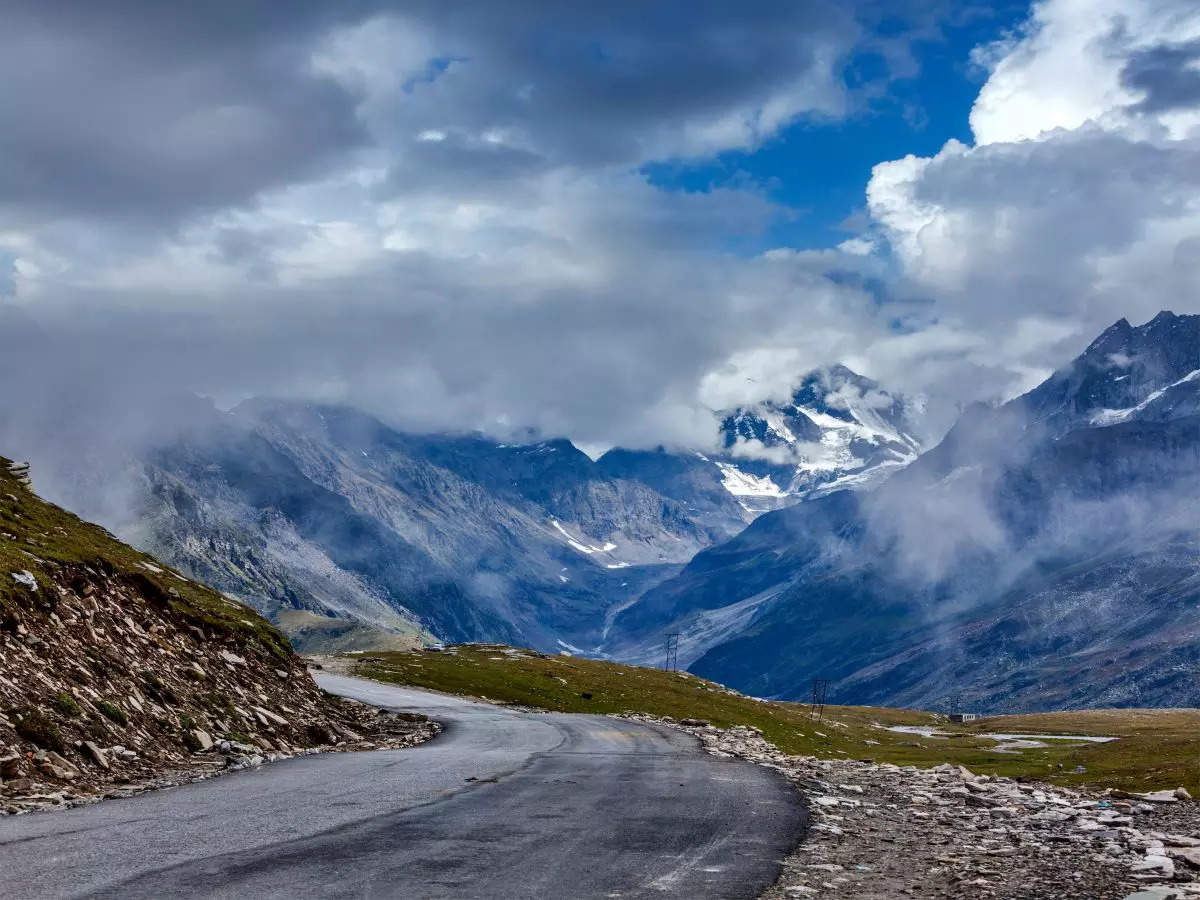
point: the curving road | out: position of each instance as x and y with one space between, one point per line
503 804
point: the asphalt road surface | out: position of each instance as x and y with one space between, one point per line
502 804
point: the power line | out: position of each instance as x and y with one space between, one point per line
819 688
672 661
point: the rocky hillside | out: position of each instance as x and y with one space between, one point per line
323 509
116 670
1042 556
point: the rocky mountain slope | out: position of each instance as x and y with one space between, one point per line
292 506
116 670
1043 555
837 430
394 537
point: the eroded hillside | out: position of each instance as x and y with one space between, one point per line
115 670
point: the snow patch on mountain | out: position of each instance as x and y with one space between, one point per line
579 545
744 484
1116 416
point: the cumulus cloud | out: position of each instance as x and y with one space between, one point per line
434 213
442 215
1075 205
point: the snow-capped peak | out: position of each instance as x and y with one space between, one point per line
836 430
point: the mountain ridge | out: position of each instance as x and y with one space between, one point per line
986 534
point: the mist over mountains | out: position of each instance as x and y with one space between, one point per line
836 430
1043 553
317 507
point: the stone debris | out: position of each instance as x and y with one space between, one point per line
25 577
880 831
105 691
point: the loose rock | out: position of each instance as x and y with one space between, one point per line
880 831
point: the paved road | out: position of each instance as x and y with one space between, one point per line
503 804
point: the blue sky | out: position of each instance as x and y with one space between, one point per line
819 167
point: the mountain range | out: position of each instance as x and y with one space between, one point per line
1045 554
1042 554
323 509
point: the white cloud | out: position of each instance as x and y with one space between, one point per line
1078 203
433 213
1065 71
441 216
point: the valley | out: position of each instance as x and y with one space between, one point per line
1038 540
631 451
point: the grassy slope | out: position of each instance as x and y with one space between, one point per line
1157 748
39 537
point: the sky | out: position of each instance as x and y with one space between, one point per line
599 221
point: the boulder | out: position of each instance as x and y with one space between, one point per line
10 765
203 740
982 801
270 717
50 763
1189 855
25 579
1152 862
98 756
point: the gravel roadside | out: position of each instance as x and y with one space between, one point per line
884 831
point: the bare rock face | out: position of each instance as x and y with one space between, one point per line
117 671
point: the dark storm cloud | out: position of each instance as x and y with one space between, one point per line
1167 74
149 111
153 111
431 209
605 77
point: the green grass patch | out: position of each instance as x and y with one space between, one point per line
67 705
39 538
34 725
1155 748
112 712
